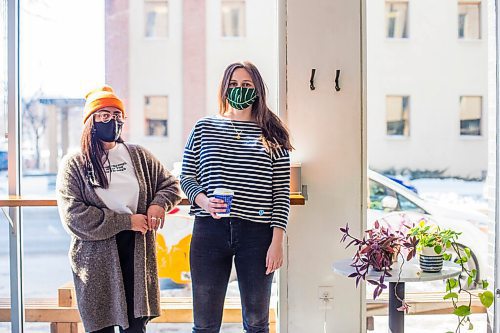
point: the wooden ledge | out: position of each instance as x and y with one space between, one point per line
173 310
30 201
26 201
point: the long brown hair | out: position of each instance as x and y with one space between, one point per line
92 153
274 131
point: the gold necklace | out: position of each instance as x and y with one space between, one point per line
238 136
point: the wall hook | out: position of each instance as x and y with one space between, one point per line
337 76
311 80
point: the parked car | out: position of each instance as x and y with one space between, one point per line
404 183
387 200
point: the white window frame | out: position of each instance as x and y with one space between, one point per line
407 19
145 118
243 25
408 120
481 119
167 33
470 2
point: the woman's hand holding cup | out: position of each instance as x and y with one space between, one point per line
211 205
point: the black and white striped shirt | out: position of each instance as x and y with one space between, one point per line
215 158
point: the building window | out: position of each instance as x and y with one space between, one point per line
396 14
156 115
470 115
156 18
398 115
233 18
469 20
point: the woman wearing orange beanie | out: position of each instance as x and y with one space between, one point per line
112 197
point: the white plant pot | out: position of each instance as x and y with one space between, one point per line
430 261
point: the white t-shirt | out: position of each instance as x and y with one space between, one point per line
122 194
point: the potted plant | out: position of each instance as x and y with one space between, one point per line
435 242
432 245
377 250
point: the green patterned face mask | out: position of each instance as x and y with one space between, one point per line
240 98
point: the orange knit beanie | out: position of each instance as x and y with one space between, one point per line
100 98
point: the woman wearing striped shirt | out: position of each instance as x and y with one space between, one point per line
243 149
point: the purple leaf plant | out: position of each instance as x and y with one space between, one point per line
378 249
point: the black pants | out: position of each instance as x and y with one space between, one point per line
125 241
213 246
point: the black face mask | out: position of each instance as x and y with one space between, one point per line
108 132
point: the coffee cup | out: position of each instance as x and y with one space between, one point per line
226 195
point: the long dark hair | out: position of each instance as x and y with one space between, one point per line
93 154
274 131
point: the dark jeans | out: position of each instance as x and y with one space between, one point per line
125 242
213 246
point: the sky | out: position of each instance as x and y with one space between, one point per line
61 47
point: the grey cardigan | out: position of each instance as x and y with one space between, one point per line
93 251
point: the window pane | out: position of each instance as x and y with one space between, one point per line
52 88
470 115
4 262
156 19
51 128
233 18
149 77
398 112
407 205
377 193
4 224
469 20
156 115
396 19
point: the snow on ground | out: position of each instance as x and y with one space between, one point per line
453 193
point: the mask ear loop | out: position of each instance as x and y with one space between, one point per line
118 128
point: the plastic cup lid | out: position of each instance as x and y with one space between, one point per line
223 191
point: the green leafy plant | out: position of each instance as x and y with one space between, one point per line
429 235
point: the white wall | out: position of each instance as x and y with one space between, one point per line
435 68
156 69
326 127
258 46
